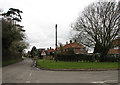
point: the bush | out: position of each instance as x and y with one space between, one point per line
87 57
112 58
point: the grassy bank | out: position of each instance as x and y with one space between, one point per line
76 65
8 62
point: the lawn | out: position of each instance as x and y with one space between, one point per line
50 64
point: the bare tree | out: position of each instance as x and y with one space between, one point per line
98 26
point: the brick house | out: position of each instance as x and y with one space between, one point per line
116 47
115 50
74 48
50 51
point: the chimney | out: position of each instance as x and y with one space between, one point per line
75 41
47 48
70 41
66 43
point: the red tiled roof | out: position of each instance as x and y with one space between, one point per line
58 49
73 45
51 50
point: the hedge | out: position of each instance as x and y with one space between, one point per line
87 57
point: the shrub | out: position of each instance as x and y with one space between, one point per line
87 57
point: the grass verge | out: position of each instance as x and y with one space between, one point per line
49 64
8 62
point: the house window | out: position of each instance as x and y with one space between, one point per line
81 49
116 48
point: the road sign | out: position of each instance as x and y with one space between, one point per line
43 52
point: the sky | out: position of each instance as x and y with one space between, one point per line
40 16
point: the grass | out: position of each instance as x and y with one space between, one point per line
76 65
8 62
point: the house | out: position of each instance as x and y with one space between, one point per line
115 50
50 51
116 47
74 48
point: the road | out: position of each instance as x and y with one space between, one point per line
22 72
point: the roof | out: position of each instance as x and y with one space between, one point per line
73 45
51 50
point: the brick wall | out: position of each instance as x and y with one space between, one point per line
114 51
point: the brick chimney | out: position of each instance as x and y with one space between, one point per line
75 41
66 43
47 48
70 41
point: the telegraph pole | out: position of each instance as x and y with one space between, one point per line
56 43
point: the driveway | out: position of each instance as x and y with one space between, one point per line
22 72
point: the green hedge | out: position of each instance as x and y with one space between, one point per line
8 62
87 57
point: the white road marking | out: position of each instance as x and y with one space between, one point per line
108 81
98 82
111 81
28 79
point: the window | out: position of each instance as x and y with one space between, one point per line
81 49
116 48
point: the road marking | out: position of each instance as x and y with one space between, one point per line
111 81
106 81
27 81
98 82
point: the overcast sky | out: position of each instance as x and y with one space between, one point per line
40 17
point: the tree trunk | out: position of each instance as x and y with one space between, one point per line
102 50
104 53
102 58
97 48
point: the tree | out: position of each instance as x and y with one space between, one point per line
34 51
13 15
13 37
98 26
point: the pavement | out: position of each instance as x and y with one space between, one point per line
24 72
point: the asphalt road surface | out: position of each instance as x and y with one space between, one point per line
22 72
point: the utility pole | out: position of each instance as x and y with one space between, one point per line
56 43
